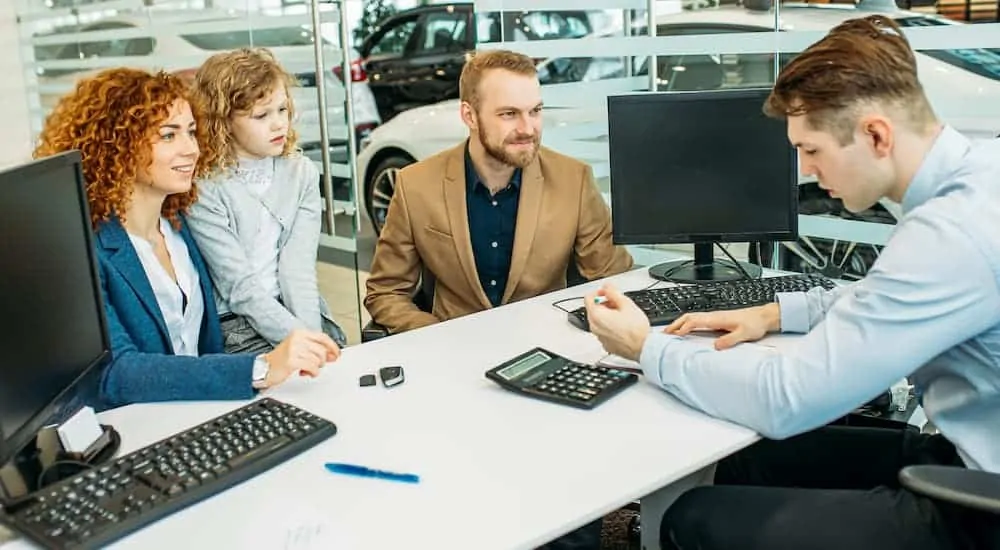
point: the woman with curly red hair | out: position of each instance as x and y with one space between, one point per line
137 136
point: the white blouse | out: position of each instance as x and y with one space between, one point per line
181 302
259 177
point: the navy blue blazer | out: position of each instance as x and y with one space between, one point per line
143 366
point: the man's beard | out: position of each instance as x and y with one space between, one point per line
500 153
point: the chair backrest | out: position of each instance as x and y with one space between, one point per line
573 276
424 297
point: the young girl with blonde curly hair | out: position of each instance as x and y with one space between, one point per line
137 136
258 215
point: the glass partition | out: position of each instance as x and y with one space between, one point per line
64 40
712 44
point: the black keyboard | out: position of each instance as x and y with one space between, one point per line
101 505
664 305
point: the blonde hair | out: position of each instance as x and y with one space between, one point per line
478 63
229 84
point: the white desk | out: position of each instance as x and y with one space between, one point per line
498 470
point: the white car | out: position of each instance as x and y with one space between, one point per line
181 45
963 86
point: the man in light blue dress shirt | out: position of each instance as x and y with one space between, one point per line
929 309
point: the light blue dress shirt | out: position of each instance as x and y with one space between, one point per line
929 308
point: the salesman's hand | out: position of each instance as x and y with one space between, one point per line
304 352
618 323
741 325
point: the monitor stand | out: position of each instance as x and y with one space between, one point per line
43 461
704 268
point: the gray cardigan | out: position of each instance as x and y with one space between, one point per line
224 222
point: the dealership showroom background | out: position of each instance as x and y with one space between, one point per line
380 92
51 43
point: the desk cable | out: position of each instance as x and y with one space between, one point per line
681 265
564 300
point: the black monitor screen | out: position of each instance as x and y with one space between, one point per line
698 167
53 321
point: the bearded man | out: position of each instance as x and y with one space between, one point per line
493 220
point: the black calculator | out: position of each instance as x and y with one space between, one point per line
545 375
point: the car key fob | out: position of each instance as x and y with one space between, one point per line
391 376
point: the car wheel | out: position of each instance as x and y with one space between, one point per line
380 188
836 259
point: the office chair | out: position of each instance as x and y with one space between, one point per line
974 489
424 299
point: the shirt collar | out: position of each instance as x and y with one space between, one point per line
473 181
947 152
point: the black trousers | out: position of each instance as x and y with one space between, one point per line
834 488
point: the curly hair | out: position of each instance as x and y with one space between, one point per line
229 84
112 119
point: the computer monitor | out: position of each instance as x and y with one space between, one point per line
53 330
702 168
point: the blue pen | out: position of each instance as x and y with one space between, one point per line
364 471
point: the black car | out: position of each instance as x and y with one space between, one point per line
415 57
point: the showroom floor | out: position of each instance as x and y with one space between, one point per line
340 286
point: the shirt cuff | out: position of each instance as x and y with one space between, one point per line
794 311
260 369
652 351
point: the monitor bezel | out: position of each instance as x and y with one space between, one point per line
12 444
652 98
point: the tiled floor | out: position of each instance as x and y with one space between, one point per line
343 289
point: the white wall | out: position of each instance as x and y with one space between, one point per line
15 140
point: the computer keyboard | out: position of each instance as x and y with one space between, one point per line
98 506
664 305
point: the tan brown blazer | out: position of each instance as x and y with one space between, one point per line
560 216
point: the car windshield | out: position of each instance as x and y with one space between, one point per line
532 25
981 61
547 25
263 38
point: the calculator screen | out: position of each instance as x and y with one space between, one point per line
524 365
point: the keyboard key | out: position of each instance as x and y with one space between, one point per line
101 505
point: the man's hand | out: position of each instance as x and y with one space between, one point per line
618 323
741 325
304 352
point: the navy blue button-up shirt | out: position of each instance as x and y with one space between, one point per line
491 227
